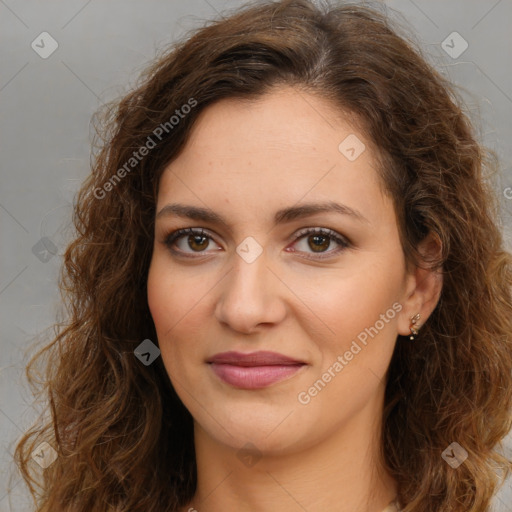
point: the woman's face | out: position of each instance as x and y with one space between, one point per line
254 277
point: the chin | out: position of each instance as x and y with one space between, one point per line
273 431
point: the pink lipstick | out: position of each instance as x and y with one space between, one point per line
254 370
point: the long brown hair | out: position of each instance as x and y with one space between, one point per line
123 438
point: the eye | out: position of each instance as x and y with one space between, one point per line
318 240
196 239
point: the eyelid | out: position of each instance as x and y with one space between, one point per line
312 230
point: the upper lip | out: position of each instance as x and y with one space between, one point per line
261 358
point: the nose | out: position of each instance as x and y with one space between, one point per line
250 296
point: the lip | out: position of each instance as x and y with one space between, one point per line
253 370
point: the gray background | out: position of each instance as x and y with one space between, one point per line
46 107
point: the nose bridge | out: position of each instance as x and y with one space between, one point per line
249 296
248 280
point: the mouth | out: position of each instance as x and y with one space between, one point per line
255 370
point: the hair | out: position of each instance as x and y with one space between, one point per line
123 437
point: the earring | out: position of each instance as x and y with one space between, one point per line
413 327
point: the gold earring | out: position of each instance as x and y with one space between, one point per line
413 327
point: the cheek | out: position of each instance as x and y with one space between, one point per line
346 303
176 308
160 296
166 301
361 312
169 297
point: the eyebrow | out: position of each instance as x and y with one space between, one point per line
282 216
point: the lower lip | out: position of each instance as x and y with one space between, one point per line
254 377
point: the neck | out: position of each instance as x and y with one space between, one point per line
341 472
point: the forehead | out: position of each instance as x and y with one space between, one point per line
285 121
284 147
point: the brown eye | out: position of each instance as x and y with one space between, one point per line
319 240
318 243
196 241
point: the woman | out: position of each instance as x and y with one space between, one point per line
288 290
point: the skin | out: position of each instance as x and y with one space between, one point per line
245 161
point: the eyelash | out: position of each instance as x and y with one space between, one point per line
172 237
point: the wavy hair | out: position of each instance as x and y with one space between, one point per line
123 438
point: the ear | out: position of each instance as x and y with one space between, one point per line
422 287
